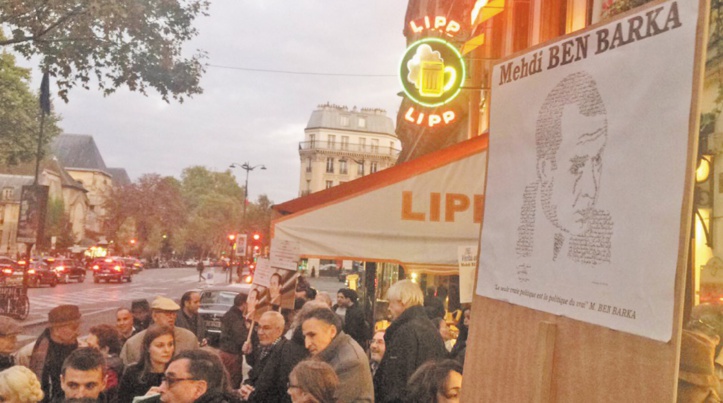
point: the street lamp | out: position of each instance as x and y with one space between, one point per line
246 167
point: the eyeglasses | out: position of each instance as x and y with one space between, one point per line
170 381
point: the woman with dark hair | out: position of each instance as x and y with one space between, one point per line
460 346
156 352
275 289
313 381
435 382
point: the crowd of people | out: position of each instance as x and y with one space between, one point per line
317 352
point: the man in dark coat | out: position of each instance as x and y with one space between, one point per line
411 340
188 317
354 323
195 376
272 359
233 335
52 348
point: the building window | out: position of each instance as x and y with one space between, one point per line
362 144
373 167
308 165
391 147
342 167
331 141
362 122
344 120
375 145
7 193
360 168
329 184
330 165
344 142
312 140
308 186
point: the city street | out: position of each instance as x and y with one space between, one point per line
98 302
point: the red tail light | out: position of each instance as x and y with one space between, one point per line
96 267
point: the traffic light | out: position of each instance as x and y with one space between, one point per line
256 242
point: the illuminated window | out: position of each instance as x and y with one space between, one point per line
329 184
362 122
331 141
373 167
330 165
344 142
342 167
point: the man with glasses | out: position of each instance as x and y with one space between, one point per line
163 312
195 376
271 359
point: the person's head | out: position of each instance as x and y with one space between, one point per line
466 315
64 321
253 297
83 374
124 320
191 374
190 302
443 328
346 297
140 309
275 281
270 327
157 347
320 327
402 295
312 381
239 301
570 136
308 293
324 297
9 330
105 338
436 381
19 384
377 347
164 312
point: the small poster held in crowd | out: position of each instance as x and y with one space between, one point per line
467 259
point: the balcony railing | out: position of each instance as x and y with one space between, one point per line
359 148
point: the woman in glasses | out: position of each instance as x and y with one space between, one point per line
312 382
156 353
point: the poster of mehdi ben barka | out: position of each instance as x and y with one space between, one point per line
587 165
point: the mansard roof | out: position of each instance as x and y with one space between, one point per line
329 116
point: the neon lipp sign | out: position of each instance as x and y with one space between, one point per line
432 72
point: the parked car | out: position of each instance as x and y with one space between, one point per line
111 269
39 273
135 264
7 268
66 269
215 302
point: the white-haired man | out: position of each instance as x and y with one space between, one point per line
411 340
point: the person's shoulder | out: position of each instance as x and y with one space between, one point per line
183 334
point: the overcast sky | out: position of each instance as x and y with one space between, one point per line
252 116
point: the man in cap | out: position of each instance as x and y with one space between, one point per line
9 330
163 312
52 348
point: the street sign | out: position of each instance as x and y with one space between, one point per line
241 245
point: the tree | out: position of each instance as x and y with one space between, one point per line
133 43
58 225
20 115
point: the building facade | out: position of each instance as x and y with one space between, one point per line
341 145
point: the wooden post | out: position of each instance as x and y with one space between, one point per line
542 376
